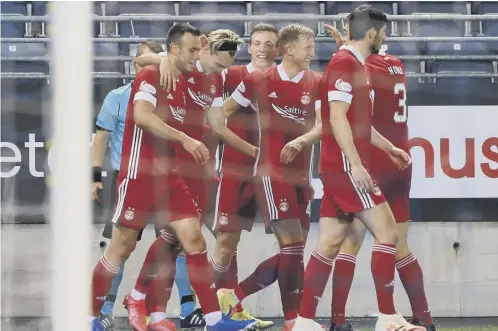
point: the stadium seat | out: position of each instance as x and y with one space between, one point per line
403 48
433 28
107 49
13 29
220 9
462 88
489 28
287 8
324 51
143 28
10 50
337 7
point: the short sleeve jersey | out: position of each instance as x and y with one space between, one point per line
286 110
144 154
112 118
390 114
202 92
346 79
243 123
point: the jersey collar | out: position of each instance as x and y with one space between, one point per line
283 75
198 66
355 52
249 67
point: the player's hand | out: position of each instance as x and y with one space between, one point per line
362 179
334 33
96 187
399 157
168 74
291 150
197 149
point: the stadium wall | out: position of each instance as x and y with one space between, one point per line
460 262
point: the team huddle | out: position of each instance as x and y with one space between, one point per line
189 106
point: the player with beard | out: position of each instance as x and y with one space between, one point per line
390 117
283 98
203 89
149 181
349 191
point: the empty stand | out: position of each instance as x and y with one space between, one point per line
286 8
13 29
145 29
220 9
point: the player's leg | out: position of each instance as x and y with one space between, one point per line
380 222
333 227
409 270
227 224
131 214
187 227
283 216
155 280
343 274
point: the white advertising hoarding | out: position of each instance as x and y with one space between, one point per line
454 151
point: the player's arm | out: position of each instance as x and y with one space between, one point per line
144 103
106 122
217 118
167 69
293 148
397 155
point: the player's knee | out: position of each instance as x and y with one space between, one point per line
402 249
352 244
226 245
329 246
193 242
121 248
388 236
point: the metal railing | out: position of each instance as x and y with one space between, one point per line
257 18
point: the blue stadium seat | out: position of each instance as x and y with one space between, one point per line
107 49
457 48
287 7
13 29
10 50
403 48
434 28
324 51
339 7
227 9
489 28
145 29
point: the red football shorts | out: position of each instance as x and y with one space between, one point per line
340 195
396 189
235 206
166 198
280 200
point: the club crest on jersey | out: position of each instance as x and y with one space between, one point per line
129 214
223 219
376 191
305 99
284 205
213 89
146 87
343 86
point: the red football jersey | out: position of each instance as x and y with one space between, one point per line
346 79
202 91
142 152
243 123
390 114
286 110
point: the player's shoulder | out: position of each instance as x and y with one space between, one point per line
119 91
384 59
342 59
